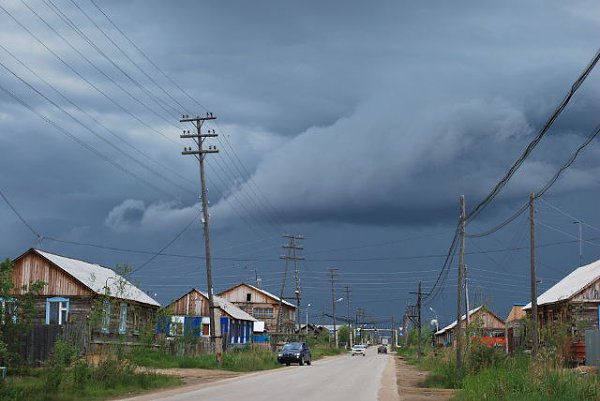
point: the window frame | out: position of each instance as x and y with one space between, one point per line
66 308
105 322
122 318
4 302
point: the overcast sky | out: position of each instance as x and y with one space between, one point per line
357 125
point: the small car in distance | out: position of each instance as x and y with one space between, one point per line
295 353
359 349
382 349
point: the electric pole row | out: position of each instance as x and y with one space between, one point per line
292 249
199 153
332 275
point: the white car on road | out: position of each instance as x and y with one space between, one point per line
359 349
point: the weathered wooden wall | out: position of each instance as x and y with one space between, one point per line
32 267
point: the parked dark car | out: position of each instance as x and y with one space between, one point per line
382 349
295 353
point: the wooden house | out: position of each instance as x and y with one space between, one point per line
189 315
484 326
572 305
263 306
86 296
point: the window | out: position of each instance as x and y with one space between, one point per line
248 297
8 308
123 318
136 320
262 312
105 317
57 310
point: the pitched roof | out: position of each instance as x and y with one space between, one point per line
98 278
226 306
571 285
267 293
453 324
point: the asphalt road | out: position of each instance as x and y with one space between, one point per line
343 378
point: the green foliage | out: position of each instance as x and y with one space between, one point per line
69 379
243 360
519 379
12 330
344 334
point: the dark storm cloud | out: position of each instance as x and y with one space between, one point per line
361 114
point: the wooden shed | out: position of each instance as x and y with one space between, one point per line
263 306
515 328
189 315
87 297
484 325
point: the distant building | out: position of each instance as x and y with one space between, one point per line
189 315
263 306
484 325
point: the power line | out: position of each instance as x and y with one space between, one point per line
532 145
16 212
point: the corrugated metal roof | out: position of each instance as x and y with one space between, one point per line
229 308
98 278
571 285
267 293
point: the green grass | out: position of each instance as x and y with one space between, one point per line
520 380
237 361
319 351
82 382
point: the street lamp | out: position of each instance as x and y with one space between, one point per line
437 328
335 336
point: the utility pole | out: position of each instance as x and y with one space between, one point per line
291 248
348 314
332 274
534 313
199 154
393 334
419 317
580 223
467 299
459 298
419 295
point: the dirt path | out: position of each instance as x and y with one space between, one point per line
194 376
411 386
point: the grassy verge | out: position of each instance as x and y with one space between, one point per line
246 360
81 381
237 361
319 351
519 379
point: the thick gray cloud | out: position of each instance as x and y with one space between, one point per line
356 123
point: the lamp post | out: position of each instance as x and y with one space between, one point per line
437 326
307 306
335 336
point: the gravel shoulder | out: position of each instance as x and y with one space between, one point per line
411 384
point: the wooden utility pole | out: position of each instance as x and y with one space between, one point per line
459 296
350 334
332 273
292 247
291 254
534 313
199 154
419 295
